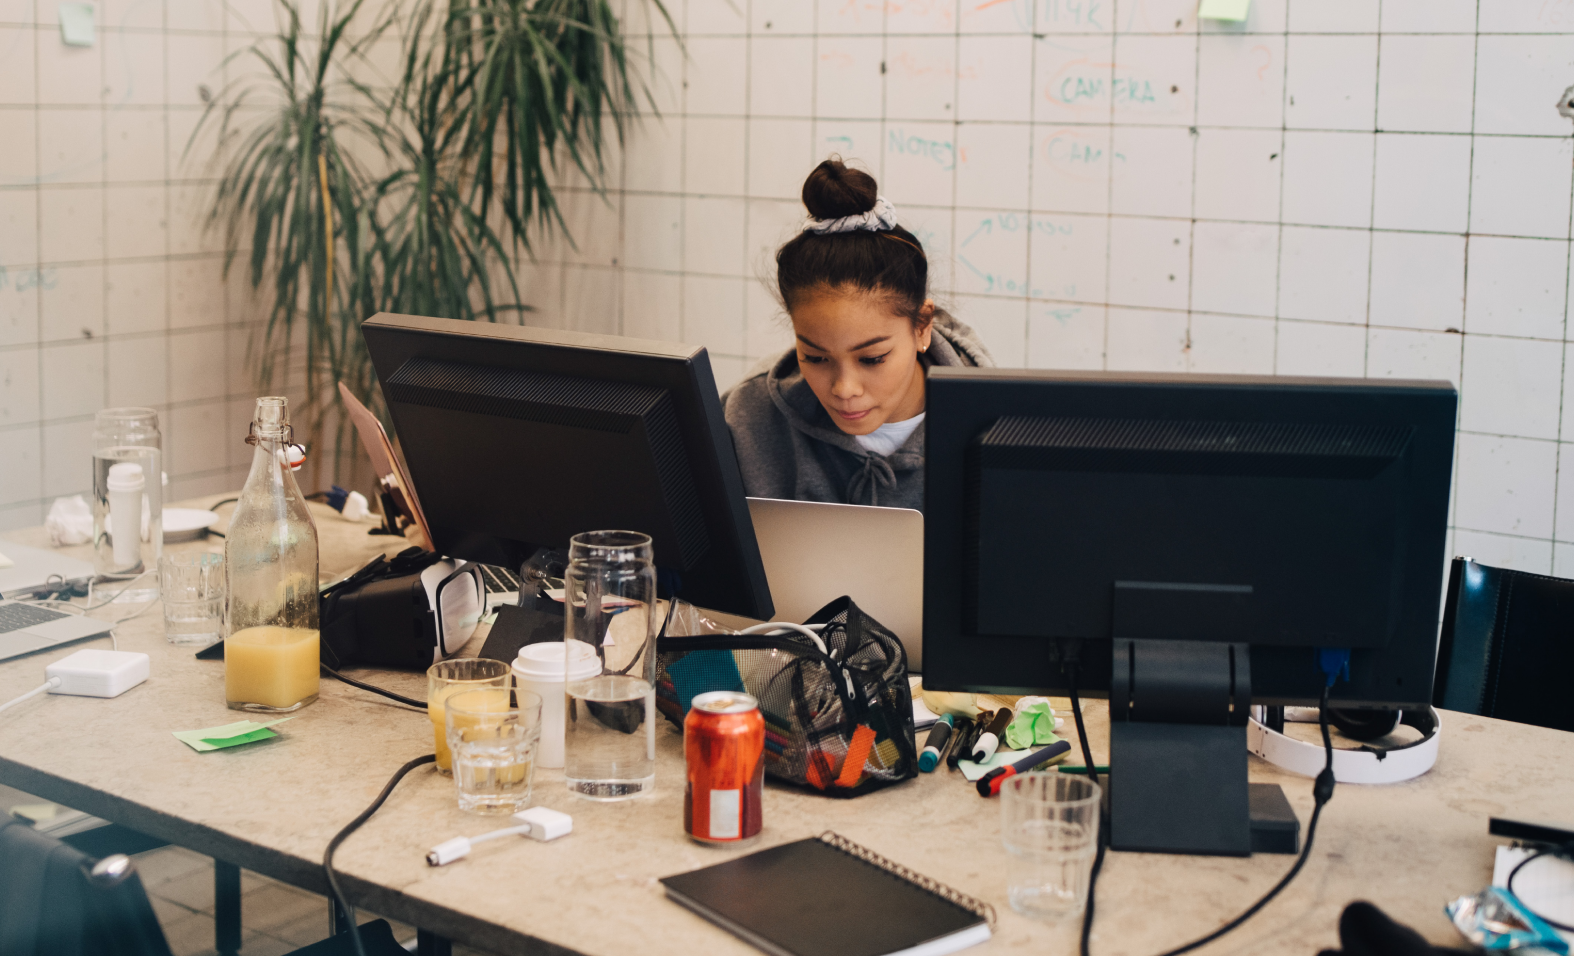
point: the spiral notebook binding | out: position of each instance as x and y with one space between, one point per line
973 905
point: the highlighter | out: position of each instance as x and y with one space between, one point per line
989 784
989 740
934 744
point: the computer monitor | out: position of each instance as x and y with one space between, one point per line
1183 544
519 438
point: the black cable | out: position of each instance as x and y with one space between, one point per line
1564 849
407 701
1103 836
1322 792
342 835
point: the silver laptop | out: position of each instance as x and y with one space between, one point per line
34 567
25 628
815 553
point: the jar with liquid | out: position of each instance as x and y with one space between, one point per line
128 500
270 556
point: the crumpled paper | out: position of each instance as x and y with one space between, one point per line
1033 726
70 521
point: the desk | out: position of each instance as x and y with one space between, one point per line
272 807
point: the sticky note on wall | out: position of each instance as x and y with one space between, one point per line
1224 9
76 23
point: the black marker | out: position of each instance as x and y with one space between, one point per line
989 740
962 741
934 743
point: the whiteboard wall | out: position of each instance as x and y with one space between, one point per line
1335 187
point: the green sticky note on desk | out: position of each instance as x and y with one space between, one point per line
228 735
1224 9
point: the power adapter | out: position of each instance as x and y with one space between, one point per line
95 673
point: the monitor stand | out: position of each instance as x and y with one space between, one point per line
1177 722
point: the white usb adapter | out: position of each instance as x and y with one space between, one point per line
95 673
538 823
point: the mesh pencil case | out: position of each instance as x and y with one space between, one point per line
833 692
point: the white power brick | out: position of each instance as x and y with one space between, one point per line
95 673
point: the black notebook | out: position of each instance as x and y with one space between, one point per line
828 896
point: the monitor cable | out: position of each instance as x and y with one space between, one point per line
338 838
373 688
1564 850
1322 792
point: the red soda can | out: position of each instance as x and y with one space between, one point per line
724 742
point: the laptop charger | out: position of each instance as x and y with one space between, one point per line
95 673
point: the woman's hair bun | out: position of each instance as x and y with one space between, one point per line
833 190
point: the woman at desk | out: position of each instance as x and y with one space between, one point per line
838 417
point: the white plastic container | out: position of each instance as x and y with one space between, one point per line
125 486
539 668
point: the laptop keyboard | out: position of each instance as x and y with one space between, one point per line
14 617
499 580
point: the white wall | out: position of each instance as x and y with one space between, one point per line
1341 187
109 292
1042 149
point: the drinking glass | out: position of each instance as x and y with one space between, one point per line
1049 823
447 678
494 748
191 584
128 503
609 739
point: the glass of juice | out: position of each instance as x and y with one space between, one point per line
447 678
492 741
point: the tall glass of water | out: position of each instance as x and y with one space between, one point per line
1049 823
128 499
609 741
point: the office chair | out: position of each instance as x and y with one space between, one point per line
1507 645
56 900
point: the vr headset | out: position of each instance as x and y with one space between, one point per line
408 612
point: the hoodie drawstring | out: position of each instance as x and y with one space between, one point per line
875 474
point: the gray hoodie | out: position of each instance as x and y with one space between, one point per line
788 447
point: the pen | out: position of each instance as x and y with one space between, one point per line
989 740
962 740
989 784
935 743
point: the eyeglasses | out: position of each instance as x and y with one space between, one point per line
461 604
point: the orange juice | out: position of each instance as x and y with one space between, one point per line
493 701
272 668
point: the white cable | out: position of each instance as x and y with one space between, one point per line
110 600
787 625
49 684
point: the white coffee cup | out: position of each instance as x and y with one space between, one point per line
539 668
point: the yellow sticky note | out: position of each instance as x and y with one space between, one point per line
1224 9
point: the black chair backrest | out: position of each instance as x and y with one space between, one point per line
52 903
1507 646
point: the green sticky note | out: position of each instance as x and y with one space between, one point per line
972 770
1033 725
228 735
1224 9
76 23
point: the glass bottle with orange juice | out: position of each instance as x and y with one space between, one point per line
270 556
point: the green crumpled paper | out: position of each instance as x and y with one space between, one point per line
1033 726
228 735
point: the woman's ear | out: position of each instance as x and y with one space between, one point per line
926 314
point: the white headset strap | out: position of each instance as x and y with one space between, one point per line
1350 766
788 626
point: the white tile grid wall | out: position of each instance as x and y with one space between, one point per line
110 290
1336 187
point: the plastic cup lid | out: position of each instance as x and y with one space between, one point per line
544 661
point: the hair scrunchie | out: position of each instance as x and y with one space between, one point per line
879 219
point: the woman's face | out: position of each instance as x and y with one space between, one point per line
861 358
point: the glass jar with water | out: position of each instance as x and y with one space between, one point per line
128 500
609 741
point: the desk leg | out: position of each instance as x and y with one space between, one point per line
431 944
226 908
